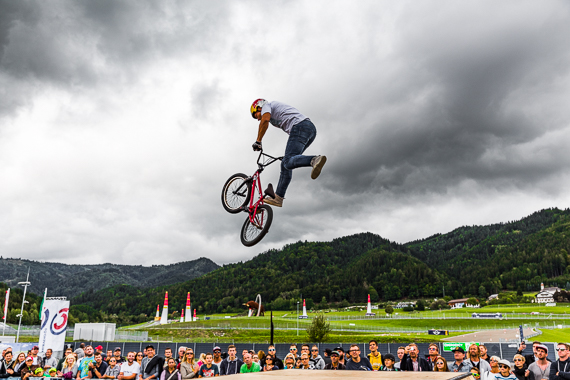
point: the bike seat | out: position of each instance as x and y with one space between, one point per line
269 191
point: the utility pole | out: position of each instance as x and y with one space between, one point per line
25 285
297 318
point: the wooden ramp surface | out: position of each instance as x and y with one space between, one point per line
328 375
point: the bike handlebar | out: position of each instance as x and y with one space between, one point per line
269 161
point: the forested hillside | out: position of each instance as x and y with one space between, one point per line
71 280
486 259
30 316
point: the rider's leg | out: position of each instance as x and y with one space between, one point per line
301 137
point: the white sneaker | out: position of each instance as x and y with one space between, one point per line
317 163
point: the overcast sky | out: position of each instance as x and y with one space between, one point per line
120 121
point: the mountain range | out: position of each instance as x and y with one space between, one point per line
468 261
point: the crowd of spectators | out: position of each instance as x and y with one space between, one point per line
89 363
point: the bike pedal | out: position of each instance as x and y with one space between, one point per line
269 191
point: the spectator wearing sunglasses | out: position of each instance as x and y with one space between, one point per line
541 367
276 361
505 371
316 359
560 369
440 365
293 351
475 373
520 369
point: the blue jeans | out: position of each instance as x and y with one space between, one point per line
302 135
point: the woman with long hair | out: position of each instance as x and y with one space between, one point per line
18 363
269 364
69 368
138 358
440 365
170 372
188 367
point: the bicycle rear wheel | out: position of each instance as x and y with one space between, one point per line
236 193
252 233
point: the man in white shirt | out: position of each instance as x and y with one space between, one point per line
302 133
130 369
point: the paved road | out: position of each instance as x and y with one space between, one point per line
490 335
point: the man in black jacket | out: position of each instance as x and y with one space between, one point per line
529 359
560 369
412 360
231 365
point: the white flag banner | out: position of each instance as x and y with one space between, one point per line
54 325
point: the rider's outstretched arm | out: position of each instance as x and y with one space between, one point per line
263 125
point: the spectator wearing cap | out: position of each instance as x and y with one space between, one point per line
341 356
29 368
460 364
335 363
99 349
411 360
49 361
505 371
217 361
34 354
327 355
541 367
117 355
232 364
79 351
561 368
152 365
389 361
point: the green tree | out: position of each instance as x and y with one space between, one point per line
373 294
482 292
319 329
420 305
389 310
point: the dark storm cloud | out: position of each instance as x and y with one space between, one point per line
464 102
81 44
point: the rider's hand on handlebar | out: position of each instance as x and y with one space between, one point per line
257 145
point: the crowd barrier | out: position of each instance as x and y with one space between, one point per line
502 350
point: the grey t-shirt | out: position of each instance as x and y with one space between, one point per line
282 115
538 373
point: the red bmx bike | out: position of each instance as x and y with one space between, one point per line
241 189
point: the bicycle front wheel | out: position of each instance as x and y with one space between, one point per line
236 193
252 233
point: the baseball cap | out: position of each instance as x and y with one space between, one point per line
505 362
117 348
339 349
35 348
542 346
29 358
52 369
217 348
38 370
149 346
390 356
335 352
460 349
99 347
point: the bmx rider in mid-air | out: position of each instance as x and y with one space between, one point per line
302 133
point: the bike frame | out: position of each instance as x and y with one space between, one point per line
256 179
